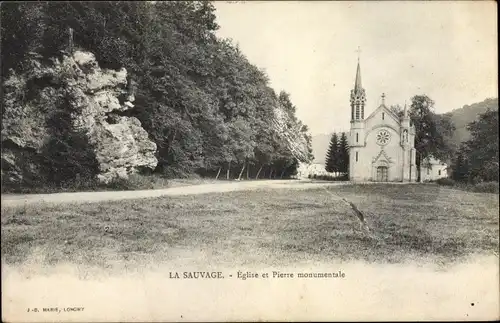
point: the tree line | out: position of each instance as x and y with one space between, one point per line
207 108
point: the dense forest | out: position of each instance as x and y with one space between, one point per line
207 108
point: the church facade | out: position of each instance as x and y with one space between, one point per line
381 146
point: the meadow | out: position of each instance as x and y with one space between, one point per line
422 223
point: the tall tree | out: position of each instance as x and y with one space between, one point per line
343 154
332 156
429 137
483 147
444 127
305 133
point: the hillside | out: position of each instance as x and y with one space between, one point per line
468 113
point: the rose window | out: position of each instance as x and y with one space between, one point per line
383 137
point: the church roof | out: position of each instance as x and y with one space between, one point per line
386 109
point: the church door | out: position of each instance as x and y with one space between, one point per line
382 174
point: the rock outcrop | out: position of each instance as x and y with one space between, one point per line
96 102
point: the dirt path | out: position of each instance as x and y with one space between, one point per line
74 197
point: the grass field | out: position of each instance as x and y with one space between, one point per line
269 227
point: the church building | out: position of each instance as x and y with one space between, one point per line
381 146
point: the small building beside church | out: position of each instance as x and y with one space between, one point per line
433 169
382 145
305 171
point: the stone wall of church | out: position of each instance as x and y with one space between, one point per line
372 155
366 159
389 155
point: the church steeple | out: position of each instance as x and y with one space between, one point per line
357 83
358 97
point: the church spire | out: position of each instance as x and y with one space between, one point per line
358 96
357 83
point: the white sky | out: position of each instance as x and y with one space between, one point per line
447 50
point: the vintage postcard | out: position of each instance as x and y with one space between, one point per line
196 161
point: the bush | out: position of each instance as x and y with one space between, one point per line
328 177
137 182
482 187
486 187
445 181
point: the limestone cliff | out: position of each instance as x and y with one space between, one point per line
95 102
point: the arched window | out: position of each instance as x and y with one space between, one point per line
356 156
357 137
383 115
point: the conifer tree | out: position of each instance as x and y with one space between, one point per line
331 163
343 154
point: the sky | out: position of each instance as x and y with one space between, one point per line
446 50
